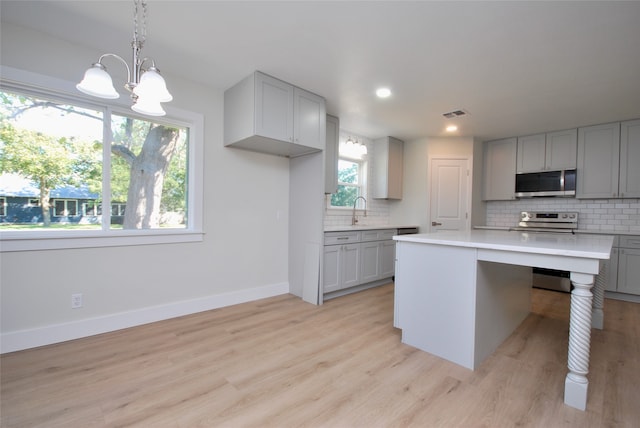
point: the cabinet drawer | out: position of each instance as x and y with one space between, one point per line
387 234
334 238
629 242
378 234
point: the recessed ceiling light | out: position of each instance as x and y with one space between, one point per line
383 92
452 128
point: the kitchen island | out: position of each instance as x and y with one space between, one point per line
459 295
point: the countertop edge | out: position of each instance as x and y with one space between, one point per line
366 227
490 241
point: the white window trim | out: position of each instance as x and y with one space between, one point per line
11 241
66 207
85 205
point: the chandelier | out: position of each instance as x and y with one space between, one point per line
148 88
353 148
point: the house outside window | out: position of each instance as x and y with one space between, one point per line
3 207
77 156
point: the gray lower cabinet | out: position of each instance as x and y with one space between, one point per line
357 258
370 253
629 265
623 269
387 259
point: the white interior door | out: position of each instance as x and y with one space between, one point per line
449 205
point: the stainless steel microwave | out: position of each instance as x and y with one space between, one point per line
546 183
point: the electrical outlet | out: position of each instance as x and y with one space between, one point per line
76 300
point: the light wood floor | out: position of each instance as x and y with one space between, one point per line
280 362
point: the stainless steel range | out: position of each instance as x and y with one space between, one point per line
538 221
549 222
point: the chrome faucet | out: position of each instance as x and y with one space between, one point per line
354 220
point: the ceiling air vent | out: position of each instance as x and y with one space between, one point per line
455 113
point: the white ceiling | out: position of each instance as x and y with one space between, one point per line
517 67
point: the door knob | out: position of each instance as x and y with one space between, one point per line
435 223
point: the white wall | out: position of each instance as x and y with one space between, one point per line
413 209
243 254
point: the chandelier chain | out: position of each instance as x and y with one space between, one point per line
141 36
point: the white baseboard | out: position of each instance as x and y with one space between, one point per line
25 339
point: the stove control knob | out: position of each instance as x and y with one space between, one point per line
564 215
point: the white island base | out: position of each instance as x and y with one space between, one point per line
460 295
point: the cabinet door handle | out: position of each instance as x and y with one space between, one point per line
343 237
435 223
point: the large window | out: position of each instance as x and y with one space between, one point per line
350 182
62 161
352 173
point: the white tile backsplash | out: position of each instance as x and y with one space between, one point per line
606 215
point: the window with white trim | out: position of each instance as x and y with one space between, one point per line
77 157
118 210
352 173
3 206
91 208
65 207
351 181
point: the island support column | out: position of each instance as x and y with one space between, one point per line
597 314
576 383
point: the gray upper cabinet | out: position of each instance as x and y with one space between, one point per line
561 149
387 168
309 119
331 155
265 114
545 152
273 109
629 186
499 181
531 153
598 161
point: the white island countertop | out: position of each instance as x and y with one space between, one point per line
562 244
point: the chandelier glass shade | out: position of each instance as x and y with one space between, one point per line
98 83
147 87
